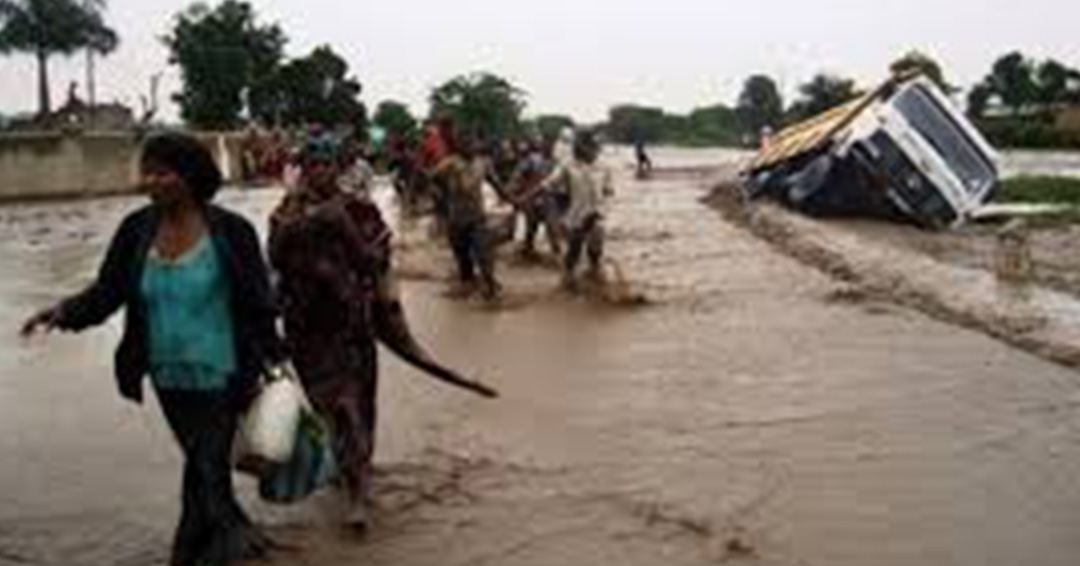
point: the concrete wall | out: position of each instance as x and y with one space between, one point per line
64 165
1068 120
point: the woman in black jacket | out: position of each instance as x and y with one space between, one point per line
200 321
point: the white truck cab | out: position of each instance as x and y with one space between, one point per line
934 164
903 148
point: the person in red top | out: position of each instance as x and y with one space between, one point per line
435 146
438 139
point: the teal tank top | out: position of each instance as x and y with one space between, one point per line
191 340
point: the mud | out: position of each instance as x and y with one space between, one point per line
877 269
976 247
754 413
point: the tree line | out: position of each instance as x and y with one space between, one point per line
1016 105
235 72
1024 103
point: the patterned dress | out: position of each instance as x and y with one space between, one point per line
330 256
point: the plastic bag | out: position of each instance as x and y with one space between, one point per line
311 467
268 428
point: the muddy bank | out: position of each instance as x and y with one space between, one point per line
976 246
898 264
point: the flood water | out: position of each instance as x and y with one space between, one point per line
742 416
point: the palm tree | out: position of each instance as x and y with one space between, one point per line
96 7
45 28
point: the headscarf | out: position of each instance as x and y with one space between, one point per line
321 147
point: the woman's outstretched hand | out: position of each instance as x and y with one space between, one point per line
45 321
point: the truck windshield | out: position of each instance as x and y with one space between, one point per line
938 127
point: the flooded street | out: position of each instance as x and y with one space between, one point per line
740 416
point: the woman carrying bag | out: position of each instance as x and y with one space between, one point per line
199 321
333 255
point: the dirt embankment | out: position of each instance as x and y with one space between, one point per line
948 277
976 246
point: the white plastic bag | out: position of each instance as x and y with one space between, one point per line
268 428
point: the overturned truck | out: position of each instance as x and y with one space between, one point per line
902 151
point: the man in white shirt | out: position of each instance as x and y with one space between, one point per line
564 146
588 184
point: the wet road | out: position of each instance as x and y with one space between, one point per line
743 416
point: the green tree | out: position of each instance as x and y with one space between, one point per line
917 61
760 104
45 28
225 56
714 125
482 104
675 129
822 93
979 100
318 89
1056 83
548 126
395 118
96 9
1012 80
629 124
708 126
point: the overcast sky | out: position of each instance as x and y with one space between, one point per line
581 56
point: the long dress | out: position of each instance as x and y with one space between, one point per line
329 256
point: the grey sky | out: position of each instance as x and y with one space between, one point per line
581 56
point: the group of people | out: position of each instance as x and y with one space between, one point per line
558 186
202 308
269 157
201 322
263 155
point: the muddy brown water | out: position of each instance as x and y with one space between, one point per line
741 417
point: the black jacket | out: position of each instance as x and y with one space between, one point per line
252 303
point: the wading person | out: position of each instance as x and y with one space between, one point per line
587 184
333 255
434 149
402 166
199 322
540 209
644 163
463 175
563 149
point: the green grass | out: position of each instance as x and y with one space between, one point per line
1040 189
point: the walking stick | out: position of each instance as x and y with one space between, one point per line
393 330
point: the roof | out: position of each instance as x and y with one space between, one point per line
808 135
813 133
